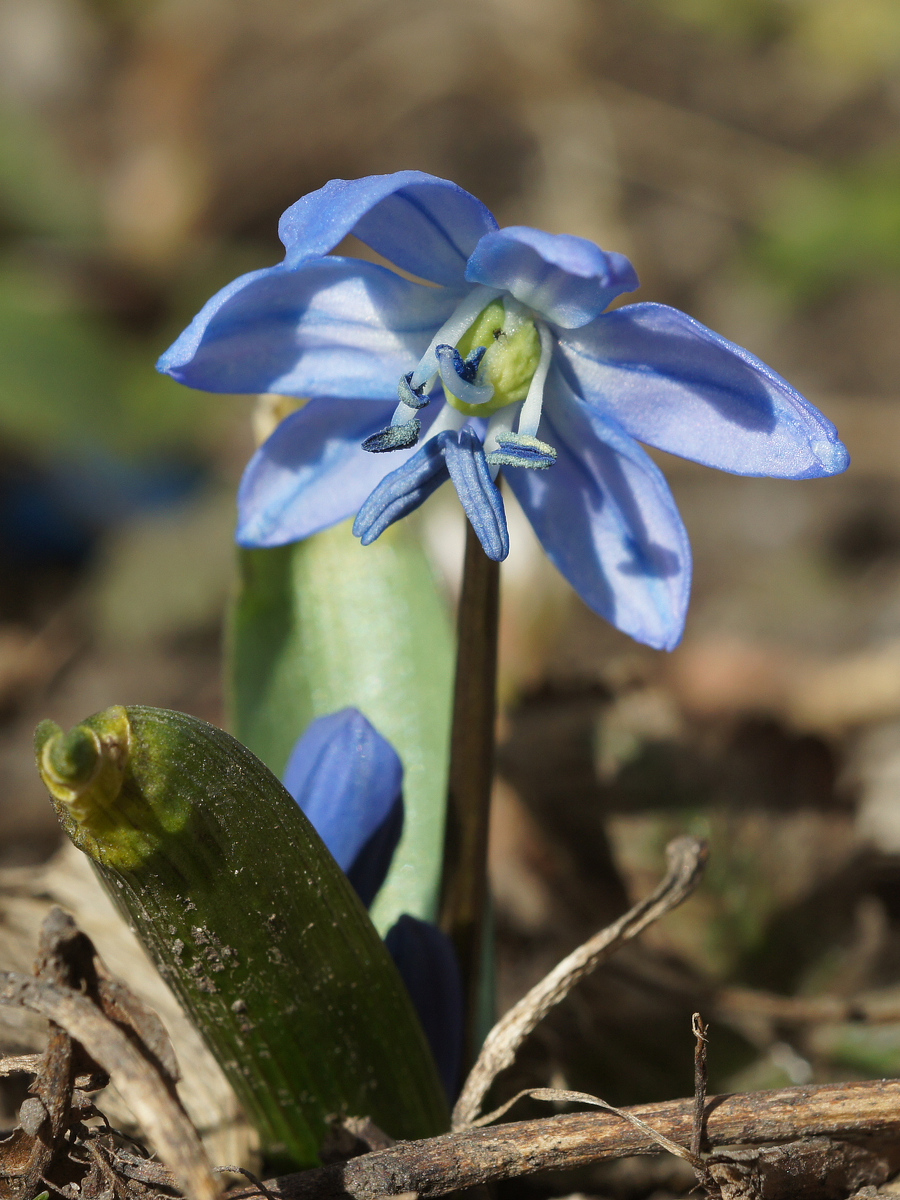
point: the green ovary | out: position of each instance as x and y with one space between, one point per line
512 353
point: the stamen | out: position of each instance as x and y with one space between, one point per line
405 426
468 368
453 373
530 416
500 423
409 396
395 437
521 450
448 418
452 330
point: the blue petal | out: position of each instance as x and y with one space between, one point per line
566 279
606 518
425 225
402 491
478 494
313 472
676 385
333 327
426 960
348 781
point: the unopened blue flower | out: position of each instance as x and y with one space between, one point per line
348 780
512 361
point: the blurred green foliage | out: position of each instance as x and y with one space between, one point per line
76 364
837 221
748 20
831 228
849 36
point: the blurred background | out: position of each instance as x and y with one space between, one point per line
746 155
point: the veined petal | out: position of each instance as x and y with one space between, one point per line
332 327
313 472
426 960
348 780
607 520
426 225
478 494
401 492
676 385
566 279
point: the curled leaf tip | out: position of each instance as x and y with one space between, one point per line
83 769
71 759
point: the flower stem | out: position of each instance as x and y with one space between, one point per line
465 888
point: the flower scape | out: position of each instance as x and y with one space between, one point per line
500 353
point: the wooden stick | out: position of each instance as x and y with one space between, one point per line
867 1109
701 1045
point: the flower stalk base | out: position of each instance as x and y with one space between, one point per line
464 898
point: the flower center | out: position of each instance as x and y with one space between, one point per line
492 357
511 347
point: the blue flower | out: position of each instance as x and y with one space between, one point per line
511 362
348 781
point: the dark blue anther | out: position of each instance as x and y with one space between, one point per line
472 363
522 450
395 437
465 368
410 396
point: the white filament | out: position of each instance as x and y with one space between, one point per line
532 405
448 418
452 330
501 422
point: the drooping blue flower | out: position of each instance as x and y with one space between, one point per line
510 362
348 780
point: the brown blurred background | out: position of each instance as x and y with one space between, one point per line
746 155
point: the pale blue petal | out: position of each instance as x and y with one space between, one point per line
425 225
333 327
402 490
676 385
348 780
478 494
312 472
566 279
607 520
427 963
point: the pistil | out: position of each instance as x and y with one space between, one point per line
492 356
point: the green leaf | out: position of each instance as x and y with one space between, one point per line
250 920
327 623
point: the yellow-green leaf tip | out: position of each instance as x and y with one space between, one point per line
71 759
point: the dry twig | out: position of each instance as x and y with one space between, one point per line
687 858
701 1045
118 1033
865 1112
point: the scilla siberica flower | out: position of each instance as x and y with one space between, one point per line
348 780
511 362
